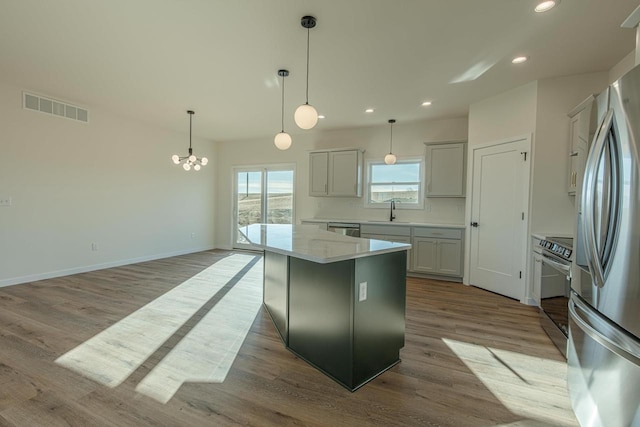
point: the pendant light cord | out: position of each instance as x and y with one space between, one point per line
391 140
308 35
190 117
282 116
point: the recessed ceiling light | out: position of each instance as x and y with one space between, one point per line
426 103
320 116
519 59
546 5
369 110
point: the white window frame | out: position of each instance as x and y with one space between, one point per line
263 168
399 205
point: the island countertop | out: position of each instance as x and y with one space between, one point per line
312 244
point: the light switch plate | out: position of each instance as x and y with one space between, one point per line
5 201
362 295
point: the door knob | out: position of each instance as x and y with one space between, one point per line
474 224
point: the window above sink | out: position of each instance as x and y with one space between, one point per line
402 182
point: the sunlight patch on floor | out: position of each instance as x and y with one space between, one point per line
209 349
111 356
516 379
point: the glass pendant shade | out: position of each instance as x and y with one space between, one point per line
204 161
176 159
306 117
282 141
390 159
186 166
196 167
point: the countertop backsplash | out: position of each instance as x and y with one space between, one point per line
437 210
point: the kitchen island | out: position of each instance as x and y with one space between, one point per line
338 302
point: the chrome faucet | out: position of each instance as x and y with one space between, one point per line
391 210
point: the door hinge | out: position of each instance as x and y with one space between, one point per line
525 155
521 274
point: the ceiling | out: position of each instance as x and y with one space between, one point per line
154 59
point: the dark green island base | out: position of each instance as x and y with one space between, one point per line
318 312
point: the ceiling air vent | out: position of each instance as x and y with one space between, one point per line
54 107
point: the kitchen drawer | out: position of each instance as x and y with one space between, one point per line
439 233
392 230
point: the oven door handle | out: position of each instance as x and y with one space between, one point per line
558 266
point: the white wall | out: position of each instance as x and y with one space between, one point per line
110 181
622 67
503 116
408 141
552 209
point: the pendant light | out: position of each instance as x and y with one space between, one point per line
191 160
390 158
306 116
282 139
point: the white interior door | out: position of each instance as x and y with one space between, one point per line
499 216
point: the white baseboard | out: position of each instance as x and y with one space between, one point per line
86 268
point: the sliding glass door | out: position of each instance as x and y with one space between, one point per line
263 194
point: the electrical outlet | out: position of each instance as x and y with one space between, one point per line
5 201
94 247
362 295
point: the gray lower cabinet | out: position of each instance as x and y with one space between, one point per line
391 233
391 238
437 251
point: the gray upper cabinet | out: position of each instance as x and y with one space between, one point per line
582 123
318 174
336 173
446 169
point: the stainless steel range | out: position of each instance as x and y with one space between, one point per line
555 289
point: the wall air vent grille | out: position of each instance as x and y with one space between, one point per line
54 107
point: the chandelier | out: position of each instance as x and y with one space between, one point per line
190 161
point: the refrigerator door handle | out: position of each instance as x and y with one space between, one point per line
613 340
590 182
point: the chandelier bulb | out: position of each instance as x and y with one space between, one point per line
176 159
186 166
204 161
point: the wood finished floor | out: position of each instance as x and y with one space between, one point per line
472 358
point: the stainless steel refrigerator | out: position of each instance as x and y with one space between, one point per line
604 308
